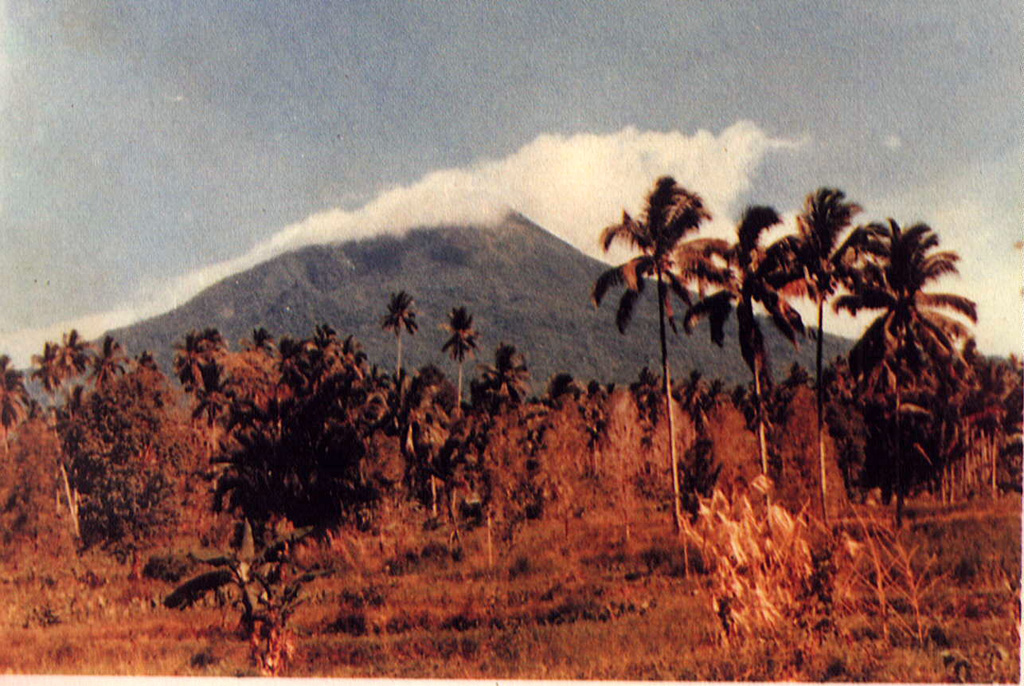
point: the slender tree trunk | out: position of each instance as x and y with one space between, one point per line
433 496
899 459
821 411
677 515
72 503
398 363
459 395
762 443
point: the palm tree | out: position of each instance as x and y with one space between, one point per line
700 399
912 337
108 363
46 371
671 212
198 348
507 381
13 397
401 315
73 355
824 258
462 341
261 341
757 274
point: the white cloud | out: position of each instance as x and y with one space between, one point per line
893 142
571 185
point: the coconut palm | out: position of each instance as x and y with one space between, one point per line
824 256
671 212
46 371
462 341
13 398
261 341
507 380
914 337
757 274
73 355
401 315
108 363
197 349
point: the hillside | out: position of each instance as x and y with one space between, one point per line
523 286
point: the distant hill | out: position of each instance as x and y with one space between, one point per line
523 286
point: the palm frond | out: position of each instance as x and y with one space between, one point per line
949 301
610 278
755 221
627 231
716 307
627 303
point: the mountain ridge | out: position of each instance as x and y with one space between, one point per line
523 285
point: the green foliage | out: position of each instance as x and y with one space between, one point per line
302 451
121 444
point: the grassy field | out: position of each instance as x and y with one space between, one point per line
571 599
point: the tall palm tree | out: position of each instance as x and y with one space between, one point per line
913 337
507 380
197 349
757 274
13 398
261 341
401 315
671 212
108 363
823 257
73 355
462 341
46 371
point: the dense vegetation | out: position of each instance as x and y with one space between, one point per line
391 522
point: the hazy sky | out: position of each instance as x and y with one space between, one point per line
149 148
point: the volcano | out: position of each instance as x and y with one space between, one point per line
522 285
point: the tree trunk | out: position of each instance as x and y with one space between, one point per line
821 418
677 518
458 404
72 498
398 363
762 443
433 496
899 460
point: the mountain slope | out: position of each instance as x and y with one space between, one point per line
523 286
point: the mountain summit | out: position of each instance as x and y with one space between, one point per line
523 286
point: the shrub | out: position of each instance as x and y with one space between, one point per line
762 561
170 568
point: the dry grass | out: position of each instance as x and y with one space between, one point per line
587 605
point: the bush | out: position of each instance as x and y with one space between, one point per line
170 568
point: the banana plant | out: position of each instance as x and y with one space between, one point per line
268 584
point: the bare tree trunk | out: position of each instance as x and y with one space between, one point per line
899 460
433 496
72 498
398 363
677 515
821 419
459 396
762 443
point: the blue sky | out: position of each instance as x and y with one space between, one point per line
147 148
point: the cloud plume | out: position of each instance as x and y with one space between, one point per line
572 185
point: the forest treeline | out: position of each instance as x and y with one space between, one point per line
118 455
